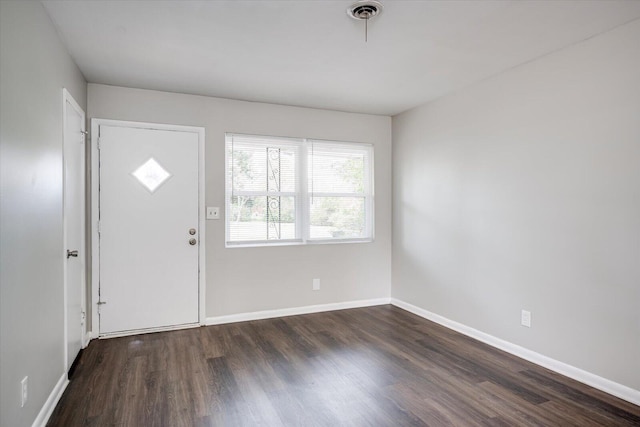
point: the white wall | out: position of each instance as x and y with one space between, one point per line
523 191
34 67
241 280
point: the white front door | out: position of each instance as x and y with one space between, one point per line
74 250
149 236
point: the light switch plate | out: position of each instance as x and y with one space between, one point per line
213 212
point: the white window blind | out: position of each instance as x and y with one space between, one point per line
295 191
339 191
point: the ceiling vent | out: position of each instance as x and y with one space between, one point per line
364 10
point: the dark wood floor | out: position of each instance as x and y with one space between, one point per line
376 366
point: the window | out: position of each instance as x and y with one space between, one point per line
296 191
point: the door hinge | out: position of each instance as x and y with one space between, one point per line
100 304
98 143
99 230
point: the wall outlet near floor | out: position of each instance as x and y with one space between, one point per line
525 318
316 284
24 392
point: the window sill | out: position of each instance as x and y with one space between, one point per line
264 244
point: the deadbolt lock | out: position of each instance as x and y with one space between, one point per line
192 242
192 231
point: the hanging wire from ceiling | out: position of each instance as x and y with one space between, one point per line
364 10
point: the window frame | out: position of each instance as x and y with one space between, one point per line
302 195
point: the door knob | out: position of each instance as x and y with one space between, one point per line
71 254
192 231
192 242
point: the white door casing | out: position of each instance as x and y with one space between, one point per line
74 254
149 274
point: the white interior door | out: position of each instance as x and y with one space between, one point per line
149 236
74 226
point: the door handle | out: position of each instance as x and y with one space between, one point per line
72 254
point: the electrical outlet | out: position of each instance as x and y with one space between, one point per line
24 391
525 318
316 284
213 212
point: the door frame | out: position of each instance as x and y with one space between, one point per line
68 99
95 217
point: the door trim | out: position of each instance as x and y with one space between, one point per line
95 217
67 98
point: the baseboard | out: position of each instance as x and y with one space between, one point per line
269 314
48 407
593 380
87 338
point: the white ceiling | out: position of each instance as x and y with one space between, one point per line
310 53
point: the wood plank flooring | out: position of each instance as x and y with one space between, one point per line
375 366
